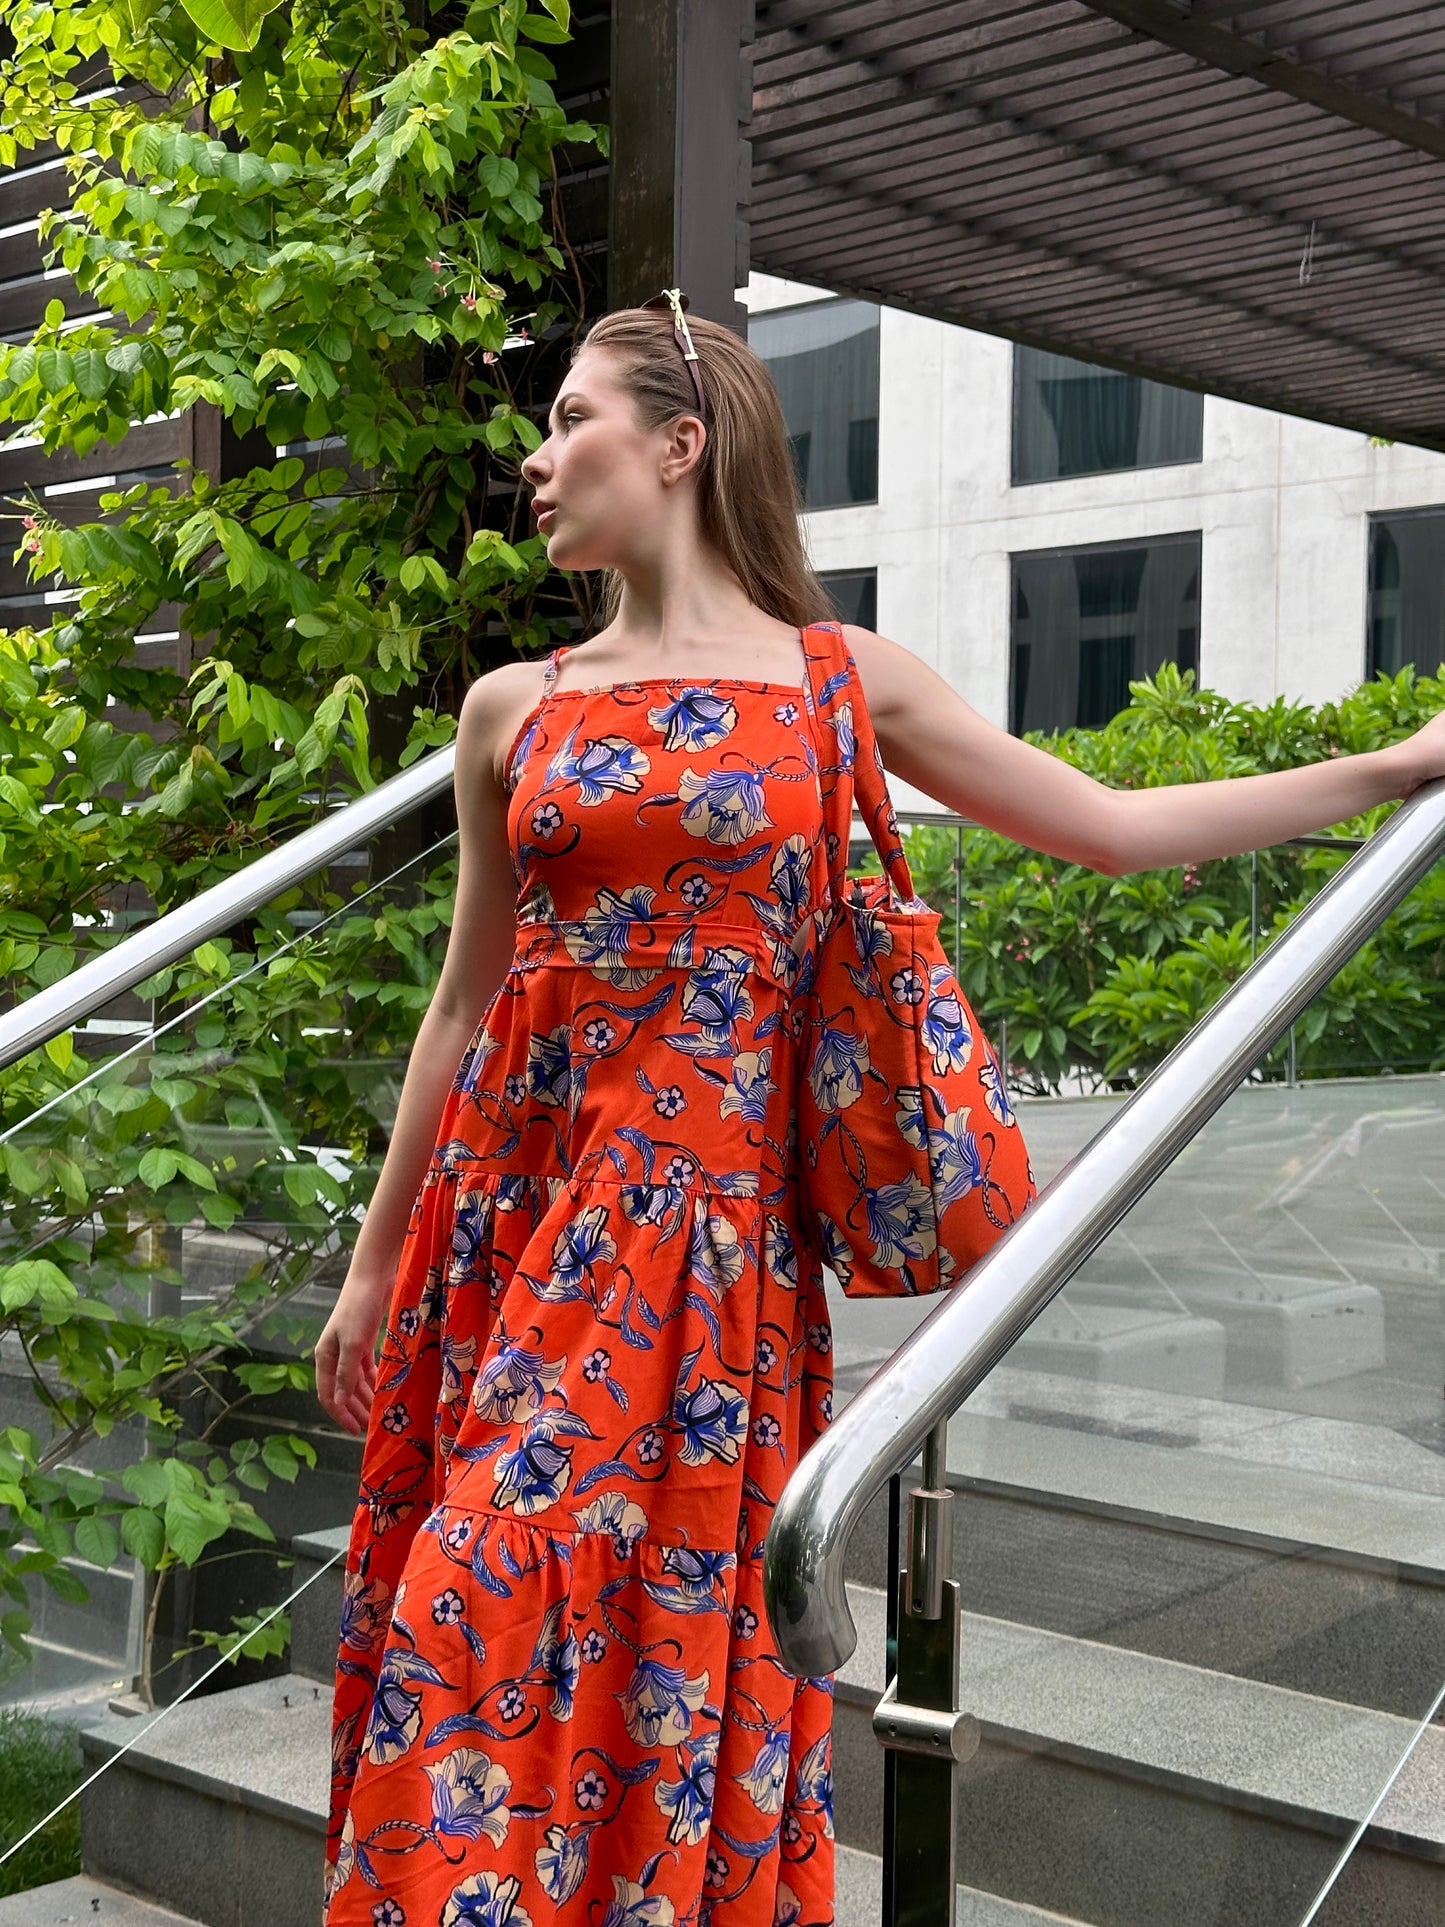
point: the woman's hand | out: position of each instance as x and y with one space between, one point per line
479 954
1421 757
346 1359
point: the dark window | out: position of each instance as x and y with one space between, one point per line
855 595
1407 593
802 447
1088 622
1071 418
824 360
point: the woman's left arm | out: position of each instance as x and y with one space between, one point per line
933 739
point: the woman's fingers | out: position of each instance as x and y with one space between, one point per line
345 1377
326 1369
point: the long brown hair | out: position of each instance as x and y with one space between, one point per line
747 491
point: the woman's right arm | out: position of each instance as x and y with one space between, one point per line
479 951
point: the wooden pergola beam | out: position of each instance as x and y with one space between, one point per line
681 96
1235 53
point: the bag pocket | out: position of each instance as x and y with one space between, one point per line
912 1162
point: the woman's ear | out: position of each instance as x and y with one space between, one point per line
686 439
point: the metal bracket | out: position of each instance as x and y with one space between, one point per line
930 1550
924 1729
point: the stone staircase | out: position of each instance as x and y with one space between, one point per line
1189 1697
214 1814
1199 1634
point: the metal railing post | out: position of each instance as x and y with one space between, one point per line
977 1323
918 1719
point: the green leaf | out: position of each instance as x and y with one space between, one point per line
497 174
13 1628
279 1459
97 1540
193 1169
546 31
21 1169
231 23
39 1283
218 1209
148 1480
67 1585
51 965
194 1521
143 1534
158 1166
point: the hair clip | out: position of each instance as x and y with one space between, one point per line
677 301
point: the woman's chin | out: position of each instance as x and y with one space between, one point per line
576 557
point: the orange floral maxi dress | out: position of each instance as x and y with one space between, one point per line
557 1698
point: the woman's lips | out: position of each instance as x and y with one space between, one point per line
545 517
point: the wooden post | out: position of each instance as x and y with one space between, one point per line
681 99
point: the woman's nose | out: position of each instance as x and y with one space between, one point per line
532 469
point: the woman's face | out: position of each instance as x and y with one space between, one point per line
598 478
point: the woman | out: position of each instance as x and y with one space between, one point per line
607 1340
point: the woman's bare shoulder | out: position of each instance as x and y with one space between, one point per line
894 680
493 711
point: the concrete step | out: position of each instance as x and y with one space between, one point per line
1189 1531
1127 1790
860 1900
316 1615
218 1808
69 1903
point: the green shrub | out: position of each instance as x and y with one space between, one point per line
40 1766
338 234
1099 977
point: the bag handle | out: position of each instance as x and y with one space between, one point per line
835 695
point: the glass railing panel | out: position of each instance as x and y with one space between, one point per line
1086 982
1147 1497
177 1219
72 1776
1199 1532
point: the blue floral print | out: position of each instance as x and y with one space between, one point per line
725 806
839 1066
697 718
659 1702
469 1793
561 1860
558 1700
945 1029
485 1900
605 766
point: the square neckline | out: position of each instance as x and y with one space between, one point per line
554 662
799 691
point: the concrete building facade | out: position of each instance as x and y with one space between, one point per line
1282 509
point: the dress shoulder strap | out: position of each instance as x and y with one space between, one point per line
852 770
549 674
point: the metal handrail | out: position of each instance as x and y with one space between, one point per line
958 1345
50 1012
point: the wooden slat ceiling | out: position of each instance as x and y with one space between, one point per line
1243 196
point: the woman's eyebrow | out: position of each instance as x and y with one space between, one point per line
562 400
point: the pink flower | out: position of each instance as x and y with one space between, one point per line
469 301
